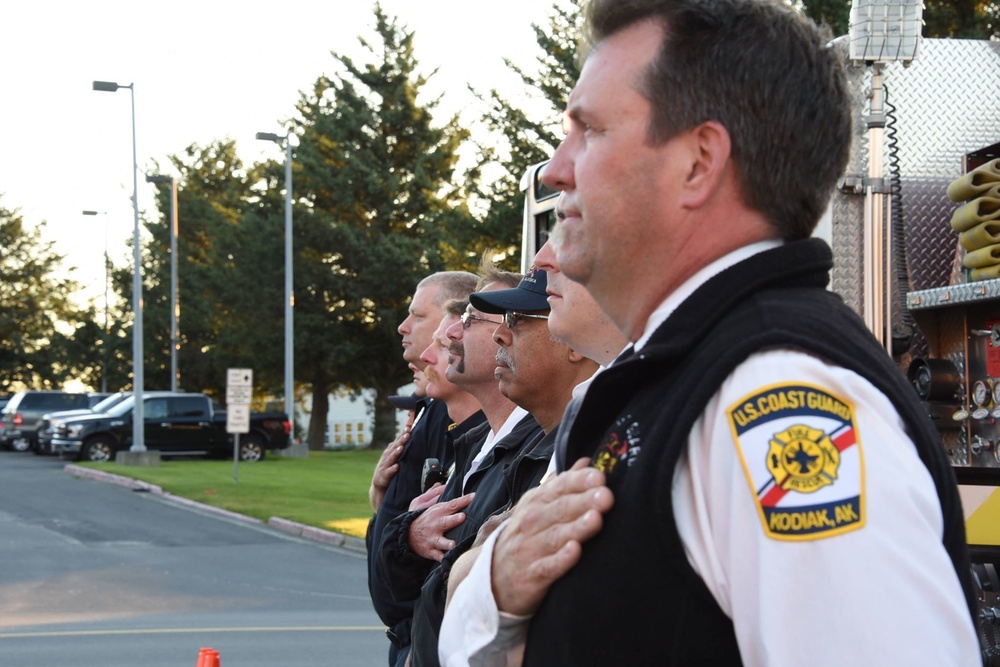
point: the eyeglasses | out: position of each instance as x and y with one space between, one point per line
512 317
468 319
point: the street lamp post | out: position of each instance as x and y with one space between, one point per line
175 309
107 279
289 295
138 418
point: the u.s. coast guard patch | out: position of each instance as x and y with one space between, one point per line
801 454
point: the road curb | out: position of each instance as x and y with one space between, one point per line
284 525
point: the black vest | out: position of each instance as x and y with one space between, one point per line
633 598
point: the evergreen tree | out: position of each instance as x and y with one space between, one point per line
519 138
376 206
45 339
229 275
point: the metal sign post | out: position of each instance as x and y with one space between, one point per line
239 393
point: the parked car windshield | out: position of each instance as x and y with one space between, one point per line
123 408
109 402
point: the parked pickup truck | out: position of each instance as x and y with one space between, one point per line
50 421
176 423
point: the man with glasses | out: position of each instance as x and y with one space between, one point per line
463 408
576 319
538 373
413 543
425 534
396 480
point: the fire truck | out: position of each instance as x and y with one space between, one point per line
923 121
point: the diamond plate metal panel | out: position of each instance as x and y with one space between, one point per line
965 293
847 210
946 105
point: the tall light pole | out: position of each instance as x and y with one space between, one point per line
175 308
138 418
289 296
106 340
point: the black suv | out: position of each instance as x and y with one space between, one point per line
21 416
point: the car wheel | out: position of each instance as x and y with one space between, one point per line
100 449
251 447
40 450
21 443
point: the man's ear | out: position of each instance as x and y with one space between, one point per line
575 357
708 151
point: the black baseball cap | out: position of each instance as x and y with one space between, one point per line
529 295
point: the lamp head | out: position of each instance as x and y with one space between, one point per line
106 86
885 30
270 136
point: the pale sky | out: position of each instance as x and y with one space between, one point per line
202 70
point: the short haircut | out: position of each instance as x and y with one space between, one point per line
453 284
456 307
490 273
764 72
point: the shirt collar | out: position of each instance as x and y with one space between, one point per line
688 287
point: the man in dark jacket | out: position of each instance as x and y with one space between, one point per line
535 372
412 543
396 480
574 320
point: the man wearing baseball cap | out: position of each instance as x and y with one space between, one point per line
536 372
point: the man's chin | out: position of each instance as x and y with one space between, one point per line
506 389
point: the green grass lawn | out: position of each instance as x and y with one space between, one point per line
327 490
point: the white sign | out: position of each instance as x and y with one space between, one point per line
238 419
239 377
239 386
238 395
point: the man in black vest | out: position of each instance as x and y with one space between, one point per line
756 483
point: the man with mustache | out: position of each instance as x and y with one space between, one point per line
462 405
415 542
396 480
577 320
540 374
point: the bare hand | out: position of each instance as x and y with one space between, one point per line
427 498
386 468
544 538
427 531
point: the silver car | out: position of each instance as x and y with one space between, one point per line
21 416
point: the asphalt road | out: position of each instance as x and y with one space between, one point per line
98 575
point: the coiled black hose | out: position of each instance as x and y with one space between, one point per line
900 264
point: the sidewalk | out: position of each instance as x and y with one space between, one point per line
277 523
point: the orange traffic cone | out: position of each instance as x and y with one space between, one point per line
207 657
